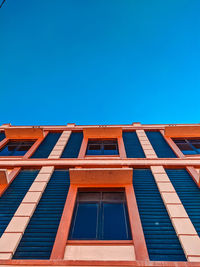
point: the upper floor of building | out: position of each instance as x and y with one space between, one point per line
135 141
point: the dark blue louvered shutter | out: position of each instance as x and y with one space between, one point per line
73 145
39 236
188 193
161 239
13 196
132 145
160 146
46 146
2 136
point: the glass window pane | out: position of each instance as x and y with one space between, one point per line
115 222
184 146
110 152
28 143
102 147
186 149
6 151
19 153
89 196
110 147
85 221
196 145
23 148
94 152
110 196
194 141
94 147
16 148
110 142
179 141
11 146
94 141
189 152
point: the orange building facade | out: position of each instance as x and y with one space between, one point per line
111 195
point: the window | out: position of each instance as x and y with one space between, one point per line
100 215
188 146
16 147
102 147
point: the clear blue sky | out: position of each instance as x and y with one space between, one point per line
99 61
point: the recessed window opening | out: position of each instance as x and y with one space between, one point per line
100 215
188 146
102 147
16 147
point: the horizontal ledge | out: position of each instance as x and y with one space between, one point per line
81 127
66 263
98 162
99 242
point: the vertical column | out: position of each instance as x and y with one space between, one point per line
173 146
146 145
140 247
35 146
83 148
183 226
64 226
195 174
60 145
11 176
15 229
122 150
4 142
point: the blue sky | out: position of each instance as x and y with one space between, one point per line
99 61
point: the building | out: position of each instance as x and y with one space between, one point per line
112 195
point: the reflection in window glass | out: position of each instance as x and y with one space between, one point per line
16 147
117 226
188 146
100 216
85 221
102 147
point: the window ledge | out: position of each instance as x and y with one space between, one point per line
192 156
99 242
101 156
13 157
100 252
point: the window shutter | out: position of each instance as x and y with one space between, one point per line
46 146
132 145
2 136
39 236
13 196
188 193
162 149
162 242
73 146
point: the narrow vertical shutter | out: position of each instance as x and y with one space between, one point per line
161 239
162 149
46 146
13 196
2 136
73 146
132 145
39 236
188 193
